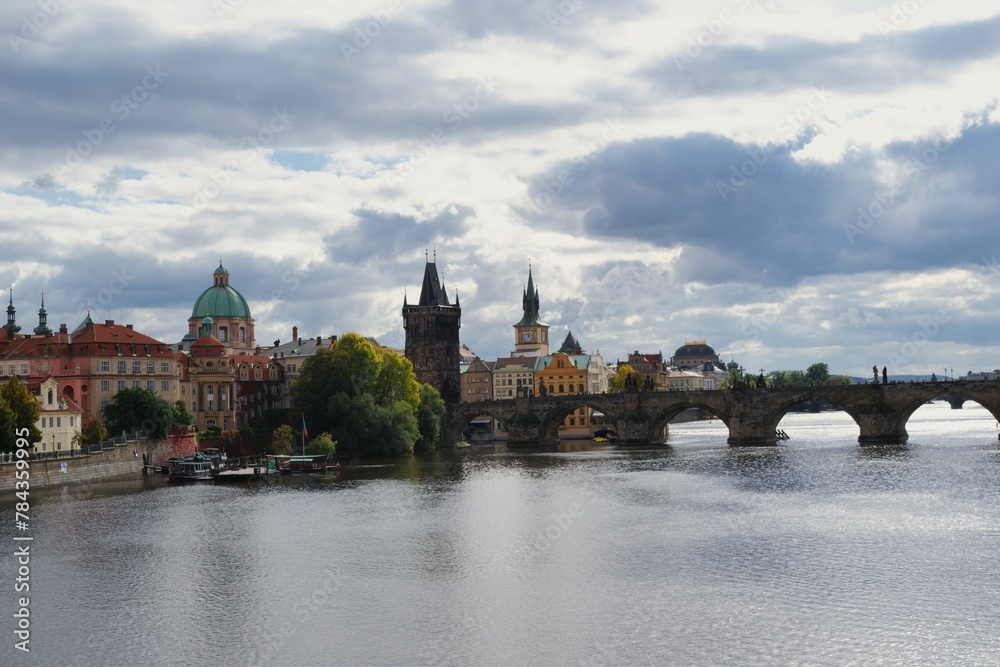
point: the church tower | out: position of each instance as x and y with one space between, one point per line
43 328
11 326
432 336
531 335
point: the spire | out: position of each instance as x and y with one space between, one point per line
530 303
571 345
42 329
432 293
11 325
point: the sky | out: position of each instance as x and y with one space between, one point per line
794 182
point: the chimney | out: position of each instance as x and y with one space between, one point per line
63 329
319 339
300 342
277 342
109 323
128 326
295 333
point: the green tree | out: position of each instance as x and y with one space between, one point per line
818 374
136 408
94 432
179 415
322 444
282 440
616 383
429 414
365 397
24 413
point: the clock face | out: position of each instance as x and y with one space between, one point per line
526 337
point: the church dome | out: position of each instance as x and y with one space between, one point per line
695 349
221 300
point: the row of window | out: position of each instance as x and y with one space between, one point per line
150 385
57 422
137 366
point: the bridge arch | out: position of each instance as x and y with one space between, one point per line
659 422
946 391
774 419
564 406
460 417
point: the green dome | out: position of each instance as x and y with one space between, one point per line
221 301
221 270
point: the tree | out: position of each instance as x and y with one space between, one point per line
94 432
365 397
136 408
818 373
322 444
179 416
616 383
429 414
282 440
24 413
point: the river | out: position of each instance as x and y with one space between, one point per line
814 552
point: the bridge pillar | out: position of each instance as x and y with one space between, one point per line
751 431
634 430
955 402
882 428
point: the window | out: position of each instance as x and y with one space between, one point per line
572 422
59 422
224 334
121 366
24 369
164 366
72 422
581 389
106 366
150 366
243 334
105 385
164 385
105 403
136 384
151 385
136 366
121 385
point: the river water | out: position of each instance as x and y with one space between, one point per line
815 552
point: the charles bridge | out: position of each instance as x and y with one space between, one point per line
751 414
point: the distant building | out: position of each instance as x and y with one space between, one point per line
432 344
531 334
693 354
651 366
477 381
232 323
293 354
60 420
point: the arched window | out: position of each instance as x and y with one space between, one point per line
243 334
581 388
224 334
561 389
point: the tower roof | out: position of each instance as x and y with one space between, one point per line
571 345
221 300
530 304
432 292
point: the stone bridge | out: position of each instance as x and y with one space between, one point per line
752 415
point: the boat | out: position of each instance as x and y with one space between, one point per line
247 470
191 469
302 463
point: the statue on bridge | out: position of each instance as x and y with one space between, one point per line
885 375
875 371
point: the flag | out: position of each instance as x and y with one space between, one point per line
305 433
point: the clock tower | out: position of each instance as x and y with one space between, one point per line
531 335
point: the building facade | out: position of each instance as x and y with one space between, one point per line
432 344
232 323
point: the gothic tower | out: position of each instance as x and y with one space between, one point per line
432 336
531 335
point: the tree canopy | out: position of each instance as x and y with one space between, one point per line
18 410
616 383
365 397
818 374
136 409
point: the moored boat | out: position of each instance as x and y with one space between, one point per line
191 469
302 463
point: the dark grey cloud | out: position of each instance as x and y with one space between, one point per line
747 213
874 63
379 235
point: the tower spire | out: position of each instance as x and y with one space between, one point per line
42 329
11 325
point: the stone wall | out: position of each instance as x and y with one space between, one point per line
121 461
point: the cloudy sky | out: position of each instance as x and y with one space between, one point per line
792 181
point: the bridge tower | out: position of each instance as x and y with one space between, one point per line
432 344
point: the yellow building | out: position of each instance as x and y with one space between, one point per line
563 374
60 418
